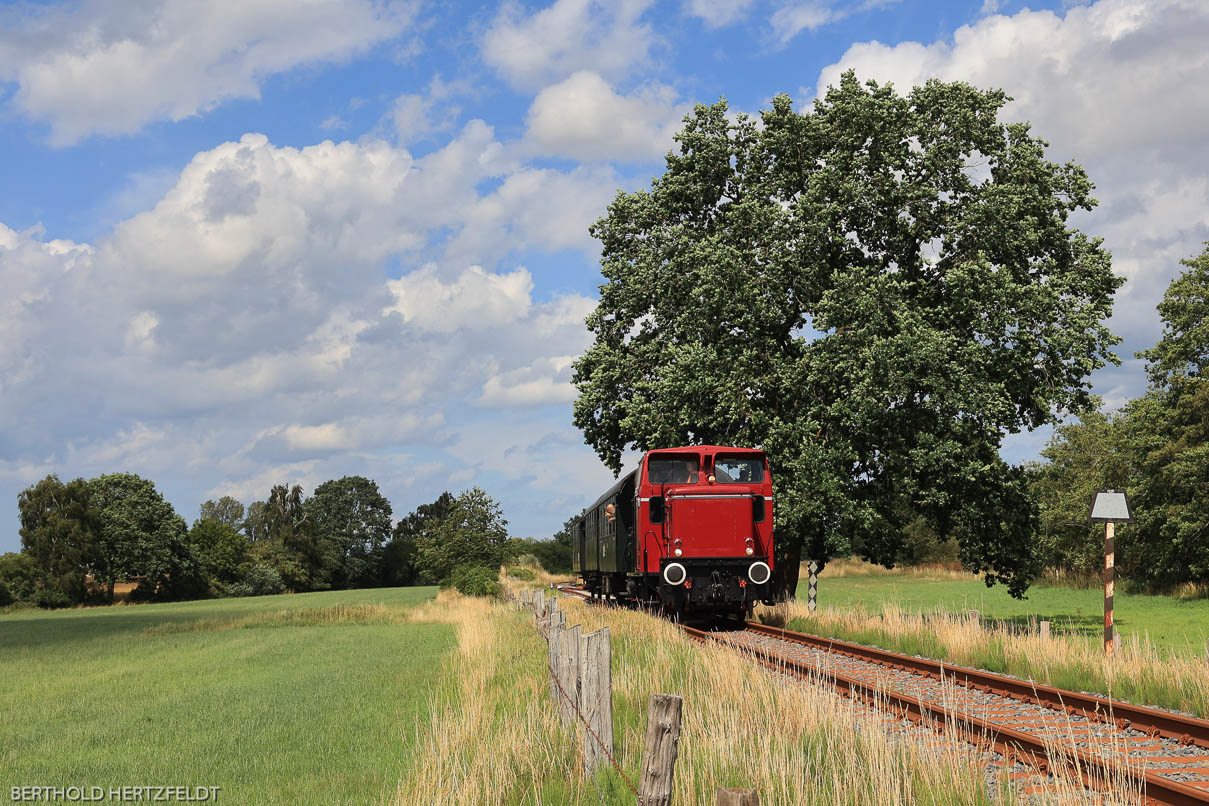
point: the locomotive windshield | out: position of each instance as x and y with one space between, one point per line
680 470
738 470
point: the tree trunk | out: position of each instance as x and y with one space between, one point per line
111 582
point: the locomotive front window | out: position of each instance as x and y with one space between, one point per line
738 470
679 470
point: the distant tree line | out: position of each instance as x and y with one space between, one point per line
1155 447
81 538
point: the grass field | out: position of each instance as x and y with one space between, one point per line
1180 626
309 698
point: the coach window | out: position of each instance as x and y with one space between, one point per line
738 470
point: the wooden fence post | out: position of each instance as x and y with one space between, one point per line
554 658
596 695
568 673
1045 631
736 796
660 749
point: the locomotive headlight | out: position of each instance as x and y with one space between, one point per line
750 551
674 574
680 553
751 547
758 572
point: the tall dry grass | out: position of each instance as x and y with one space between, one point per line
493 736
369 613
1139 673
531 571
856 567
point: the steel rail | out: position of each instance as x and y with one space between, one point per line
1185 729
1013 744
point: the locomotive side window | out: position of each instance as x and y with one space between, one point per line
738 470
678 470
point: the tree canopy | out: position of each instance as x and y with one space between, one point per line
399 560
59 531
473 533
353 519
219 549
1084 456
139 534
875 291
1169 432
225 510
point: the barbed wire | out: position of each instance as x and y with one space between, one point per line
579 715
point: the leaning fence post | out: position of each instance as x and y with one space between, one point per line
568 673
735 796
660 749
596 695
1045 631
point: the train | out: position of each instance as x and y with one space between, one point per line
689 531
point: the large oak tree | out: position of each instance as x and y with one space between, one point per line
876 290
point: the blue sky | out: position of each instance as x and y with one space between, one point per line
252 242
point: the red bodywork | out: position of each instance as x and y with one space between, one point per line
708 519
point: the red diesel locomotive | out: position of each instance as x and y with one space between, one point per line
690 530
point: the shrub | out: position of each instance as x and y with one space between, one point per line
6 597
52 597
260 579
19 573
525 574
475 581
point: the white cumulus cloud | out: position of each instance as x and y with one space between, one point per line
97 67
292 313
532 50
586 119
718 13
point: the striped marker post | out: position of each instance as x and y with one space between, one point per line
1110 578
813 593
1110 507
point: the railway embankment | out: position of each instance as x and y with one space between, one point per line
742 726
1140 672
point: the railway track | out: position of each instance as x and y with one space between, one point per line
1101 740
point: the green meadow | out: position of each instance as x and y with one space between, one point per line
1172 625
307 698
